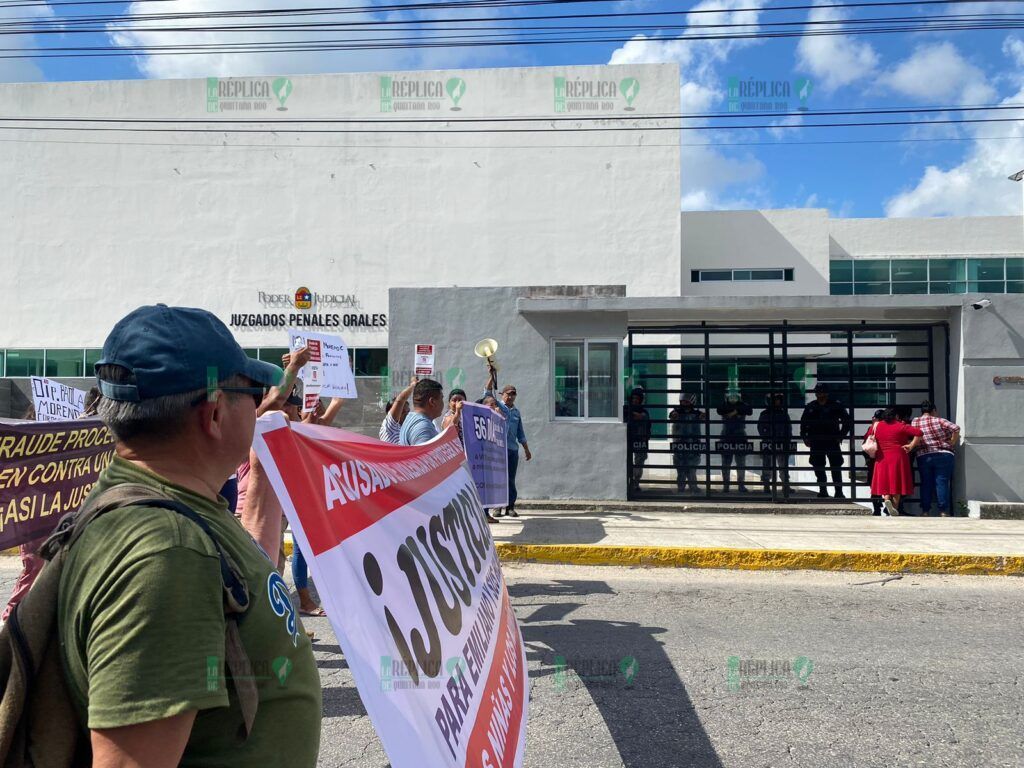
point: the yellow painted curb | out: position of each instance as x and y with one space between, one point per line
763 559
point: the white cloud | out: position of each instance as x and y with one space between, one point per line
711 179
938 72
1013 47
977 186
25 70
834 60
253 64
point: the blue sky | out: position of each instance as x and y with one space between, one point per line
923 170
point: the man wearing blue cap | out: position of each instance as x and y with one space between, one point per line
142 606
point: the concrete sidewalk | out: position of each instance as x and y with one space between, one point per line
754 541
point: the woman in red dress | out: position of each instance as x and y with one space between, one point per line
892 478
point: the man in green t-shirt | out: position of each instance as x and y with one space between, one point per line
140 611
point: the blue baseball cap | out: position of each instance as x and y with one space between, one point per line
172 350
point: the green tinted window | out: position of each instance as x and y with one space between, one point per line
1015 269
985 270
947 270
909 270
371 361
92 356
841 271
568 364
861 289
24 362
65 362
871 271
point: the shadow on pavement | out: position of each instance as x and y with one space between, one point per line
559 530
624 667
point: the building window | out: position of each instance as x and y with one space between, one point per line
24 362
371 361
65 363
741 275
586 378
926 276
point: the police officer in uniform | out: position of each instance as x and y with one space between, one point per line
824 424
638 432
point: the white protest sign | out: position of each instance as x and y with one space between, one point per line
54 401
423 365
406 567
328 372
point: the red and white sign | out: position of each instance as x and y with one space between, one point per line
424 362
406 567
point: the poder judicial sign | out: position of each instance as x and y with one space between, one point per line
410 579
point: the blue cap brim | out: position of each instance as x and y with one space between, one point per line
267 374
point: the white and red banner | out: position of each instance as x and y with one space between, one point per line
408 574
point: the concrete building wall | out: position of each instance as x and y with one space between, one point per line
992 415
98 224
572 459
996 235
796 239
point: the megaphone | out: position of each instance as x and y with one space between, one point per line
486 348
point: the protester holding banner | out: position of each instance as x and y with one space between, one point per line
515 434
453 415
427 406
142 611
394 414
31 562
412 585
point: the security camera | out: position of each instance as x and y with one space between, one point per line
981 304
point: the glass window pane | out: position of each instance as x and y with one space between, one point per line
252 352
871 271
985 286
92 356
1015 269
24 362
65 362
945 270
947 287
870 288
841 271
909 270
568 362
272 354
766 274
602 380
694 275
841 289
788 275
985 269
741 274
909 288
371 361
711 275
1015 286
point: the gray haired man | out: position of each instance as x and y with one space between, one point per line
141 603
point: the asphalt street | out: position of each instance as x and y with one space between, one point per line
671 667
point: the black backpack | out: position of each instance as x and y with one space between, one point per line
39 726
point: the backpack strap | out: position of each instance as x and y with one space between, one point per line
235 591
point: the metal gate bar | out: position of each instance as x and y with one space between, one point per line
844 348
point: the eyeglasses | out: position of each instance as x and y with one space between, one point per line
255 392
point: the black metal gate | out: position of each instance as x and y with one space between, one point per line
740 436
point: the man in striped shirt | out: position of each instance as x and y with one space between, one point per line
396 411
935 459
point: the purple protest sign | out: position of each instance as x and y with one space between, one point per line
483 436
46 470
